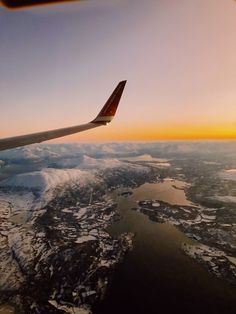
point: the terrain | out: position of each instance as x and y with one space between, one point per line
57 205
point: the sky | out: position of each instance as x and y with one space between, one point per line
59 64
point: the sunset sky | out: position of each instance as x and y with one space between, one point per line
59 65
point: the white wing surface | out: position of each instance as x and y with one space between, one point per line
105 116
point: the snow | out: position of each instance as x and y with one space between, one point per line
229 174
232 259
210 163
156 204
203 250
67 309
88 293
105 263
94 232
170 179
207 253
207 217
33 152
185 210
40 234
159 164
92 163
224 199
19 201
85 239
82 211
144 157
66 210
197 219
48 178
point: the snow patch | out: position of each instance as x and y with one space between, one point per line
48 179
92 163
85 239
224 199
67 309
145 157
229 174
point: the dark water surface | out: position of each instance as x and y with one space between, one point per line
156 277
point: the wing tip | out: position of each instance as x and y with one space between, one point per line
109 109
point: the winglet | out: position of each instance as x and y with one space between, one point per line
109 109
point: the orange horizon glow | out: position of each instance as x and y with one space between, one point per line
185 132
120 131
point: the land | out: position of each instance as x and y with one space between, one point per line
67 252
211 221
62 246
56 254
215 240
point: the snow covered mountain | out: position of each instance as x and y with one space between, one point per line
48 179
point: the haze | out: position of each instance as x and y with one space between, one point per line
59 64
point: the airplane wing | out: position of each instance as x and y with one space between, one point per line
105 116
16 4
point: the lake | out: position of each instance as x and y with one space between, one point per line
156 276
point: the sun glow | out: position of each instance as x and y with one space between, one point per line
152 133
